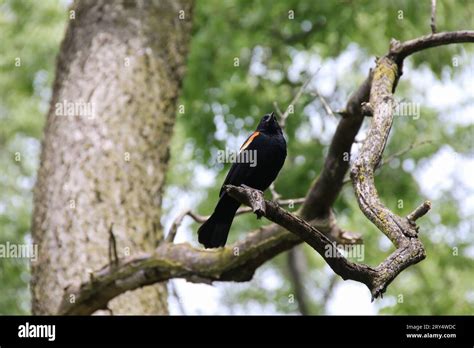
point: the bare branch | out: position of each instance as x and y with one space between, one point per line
329 289
397 154
236 262
402 233
179 219
324 103
284 116
175 294
275 195
402 152
401 50
376 279
201 219
278 110
419 211
284 202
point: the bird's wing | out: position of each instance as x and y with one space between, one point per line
249 141
239 172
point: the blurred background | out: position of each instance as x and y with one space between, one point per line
244 56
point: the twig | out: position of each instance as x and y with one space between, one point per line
329 289
113 257
275 195
419 211
402 152
324 103
179 219
284 116
433 17
278 110
174 291
397 154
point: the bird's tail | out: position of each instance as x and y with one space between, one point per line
213 233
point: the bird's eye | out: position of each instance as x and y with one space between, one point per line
266 118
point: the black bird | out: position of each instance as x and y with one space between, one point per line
269 145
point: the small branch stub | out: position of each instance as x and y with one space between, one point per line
252 197
419 212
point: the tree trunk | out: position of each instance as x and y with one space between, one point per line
106 145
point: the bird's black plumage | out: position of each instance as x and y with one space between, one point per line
269 145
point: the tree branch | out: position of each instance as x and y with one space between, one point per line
239 261
236 262
376 279
400 231
179 219
400 50
403 232
201 219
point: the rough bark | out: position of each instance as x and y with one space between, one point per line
103 172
